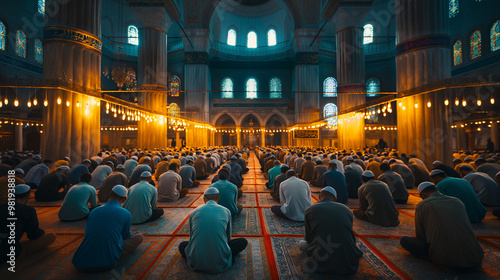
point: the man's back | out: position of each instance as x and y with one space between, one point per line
169 186
464 191
376 200
489 168
113 179
188 175
486 188
99 175
141 201
336 180
396 185
307 170
228 193
295 196
75 205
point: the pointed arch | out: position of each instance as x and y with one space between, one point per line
275 88
252 40
330 87
475 44
251 86
227 88
133 35
231 37
495 36
457 53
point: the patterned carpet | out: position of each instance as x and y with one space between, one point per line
272 252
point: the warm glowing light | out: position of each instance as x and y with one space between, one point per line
67 103
400 104
404 108
457 102
29 103
35 102
446 102
464 103
78 104
416 105
59 101
478 129
492 101
45 103
479 102
1 103
16 102
107 106
429 104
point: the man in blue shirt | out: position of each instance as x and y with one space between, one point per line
210 248
136 174
141 201
107 237
188 175
77 171
272 173
336 180
228 193
76 203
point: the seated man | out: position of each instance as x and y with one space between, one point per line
51 185
170 185
376 203
486 188
210 248
462 190
141 201
200 166
272 173
76 172
295 198
107 237
232 178
275 193
444 233
138 170
404 171
336 180
162 167
76 203
332 221
307 169
188 175
113 179
353 181
211 164
319 171
395 183
36 174
100 174
27 221
130 165
228 193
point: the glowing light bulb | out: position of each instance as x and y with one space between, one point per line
67 103
479 102
6 101
35 102
78 104
446 102
429 104
400 104
59 101
29 103
45 103
1 103
416 105
107 106
492 101
404 108
16 102
456 102
464 103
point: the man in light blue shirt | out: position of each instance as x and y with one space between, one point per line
272 173
138 170
76 202
141 201
188 175
130 165
228 193
100 174
36 173
210 248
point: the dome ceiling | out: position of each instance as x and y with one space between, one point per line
251 2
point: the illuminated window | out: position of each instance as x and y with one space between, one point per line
330 110
495 36
227 88
20 43
330 87
457 53
174 86
372 86
252 40
275 88
41 7
231 37
368 34
3 31
271 37
251 88
453 8
38 51
475 44
174 110
133 35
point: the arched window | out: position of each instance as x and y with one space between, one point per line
38 51
475 44
271 37
227 88
20 43
3 31
453 8
457 53
252 40
174 86
495 36
330 87
368 34
330 110
133 35
231 37
41 7
275 88
372 86
174 110
251 88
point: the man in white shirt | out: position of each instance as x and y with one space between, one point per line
295 198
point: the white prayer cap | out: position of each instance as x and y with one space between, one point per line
120 166
227 166
437 162
147 158
284 165
330 190
368 174
349 158
67 159
211 190
435 172
120 190
87 161
19 170
21 189
145 174
332 161
37 157
498 174
347 167
424 185
134 158
63 167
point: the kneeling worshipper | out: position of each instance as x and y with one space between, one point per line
141 201
462 190
76 203
200 166
319 171
170 185
486 188
395 183
232 179
139 169
352 181
228 193
275 192
210 247
107 237
329 239
100 174
113 179
162 167
336 180
444 232
188 175
295 198
78 170
130 165
36 174
273 173
51 185
376 202
26 221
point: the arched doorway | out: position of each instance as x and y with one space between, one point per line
276 134
249 129
226 131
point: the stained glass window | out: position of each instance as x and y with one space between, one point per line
495 36
227 88
133 35
231 37
41 7
457 53
275 88
20 43
3 31
330 87
251 88
174 110
252 40
453 8
330 110
372 86
38 51
368 34
174 86
475 44
271 37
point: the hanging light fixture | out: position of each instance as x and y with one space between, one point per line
16 101
464 103
446 102
479 102
416 105
67 103
429 104
492 100
45 102
59 100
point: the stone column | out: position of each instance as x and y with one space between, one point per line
72 54
461 138
262 137
238 137
423 56
19 137
494 135
177 139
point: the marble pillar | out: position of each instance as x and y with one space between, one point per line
238 137
262 137
19 137
494 135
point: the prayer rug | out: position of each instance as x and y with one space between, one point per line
406 227
167 224
32 202
182 202
315 189
199 189
266 200
279 225
248 200
50 222
262 188
248 188
250 181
